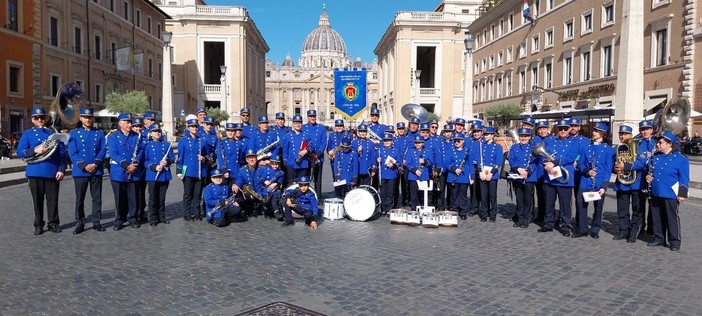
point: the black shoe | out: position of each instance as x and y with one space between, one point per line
471 214
674 248
492 220
55 229
165 222
79 229
483 219
525 225
618 237
135 225
286 223
631 240
117 227
649 231
280 219
38 230
655 244
186 218
516 225
595 236
98 227
578 235
565 233
464 217
545 230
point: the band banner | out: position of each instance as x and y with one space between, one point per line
350 92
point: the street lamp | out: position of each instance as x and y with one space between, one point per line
223 80
468 42
417 74
167 88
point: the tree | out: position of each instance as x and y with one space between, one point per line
218 115
134 102
502 113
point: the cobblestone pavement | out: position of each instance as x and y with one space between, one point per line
344 268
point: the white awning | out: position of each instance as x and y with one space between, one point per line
695 114
105 113
651 103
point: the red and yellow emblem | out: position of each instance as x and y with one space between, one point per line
350 91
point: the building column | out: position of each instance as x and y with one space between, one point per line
628 105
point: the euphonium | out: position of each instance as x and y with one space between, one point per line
626 153
250 191
540 150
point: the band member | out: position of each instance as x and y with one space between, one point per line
542 136
150 120
523 163
489 158
301 201
458 176
44 176
390 129
419 166
628 194
318 135
434 129
247 177
191 168
644 152
126 151
582 141
390 159
86 148
374 126
231 151
528 122
138 176
345 169
474 146
334 144
402 142
595 165
367 156
270 179
265 137
211 141
459 126
443 144
564 150
158 157
219 211
280 127
413 128
247 129
296 147
669 179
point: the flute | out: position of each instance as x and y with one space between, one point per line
162 159
134 154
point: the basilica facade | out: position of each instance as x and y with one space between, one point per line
295 88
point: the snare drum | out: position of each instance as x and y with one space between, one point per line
292 187
413 218
398 216
334 209
362 203
430 220
448 219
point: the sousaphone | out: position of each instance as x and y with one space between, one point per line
411 110
66 106
673 117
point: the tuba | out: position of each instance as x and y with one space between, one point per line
540 150
626 153
411 110
673 117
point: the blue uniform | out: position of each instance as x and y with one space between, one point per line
458 183
412 157
345 168
389 173
318 135
670 172
216 195
248 130
230 155
292 144
86 146
281 131
520 156
597 157
565 151
263 139
378 129
154 152
492 156
642 162
307 204
247 176
334 141
367 158
188 149
125 149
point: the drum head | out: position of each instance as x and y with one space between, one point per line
359 204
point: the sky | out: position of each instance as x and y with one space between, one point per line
285 24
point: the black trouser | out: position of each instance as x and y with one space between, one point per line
81 185
581 211
295 175
666 220
576 188
488 199
438 195
192 192
140 187
538 212
416 197
364 179
299 210
125 202
459 198
524 192
396 195
41 188
646 214
404 187
629 227
564 198
387 194
230 214
157 201
474 206
341 190
316 175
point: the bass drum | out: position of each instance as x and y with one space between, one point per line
362 204
292 187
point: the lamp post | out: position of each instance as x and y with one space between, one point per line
167 92
417 74
468 42
223 81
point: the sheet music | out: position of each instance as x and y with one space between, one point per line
558 174
675 187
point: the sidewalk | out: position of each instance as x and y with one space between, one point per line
12 172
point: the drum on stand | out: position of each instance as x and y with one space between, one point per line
430 220
448 219
413 218
398 216
362 203
334 209
292 187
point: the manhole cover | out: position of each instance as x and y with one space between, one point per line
281 309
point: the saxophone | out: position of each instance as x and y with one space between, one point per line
250 191
265 151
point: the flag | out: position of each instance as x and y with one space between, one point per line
138 64
122 58
526 12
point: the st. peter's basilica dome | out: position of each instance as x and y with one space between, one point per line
324 47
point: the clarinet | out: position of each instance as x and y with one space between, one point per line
460 166
199 163
134 154
531 152
162 159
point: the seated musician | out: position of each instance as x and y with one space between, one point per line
245 184
220 210
270 179
302 201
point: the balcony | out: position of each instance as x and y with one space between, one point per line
212 88
429 92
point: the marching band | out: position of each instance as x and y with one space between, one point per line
277 171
